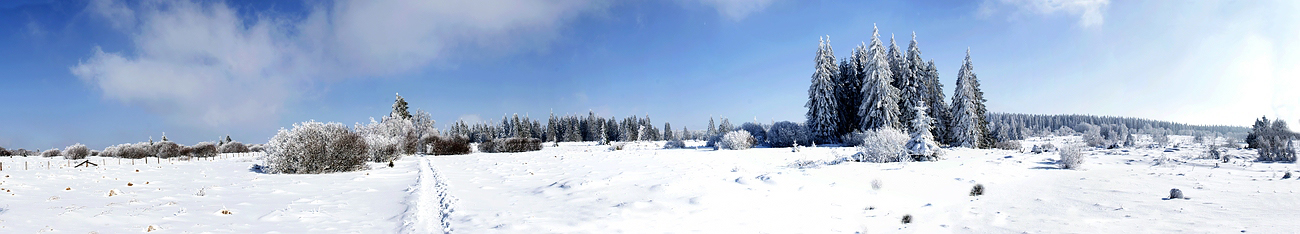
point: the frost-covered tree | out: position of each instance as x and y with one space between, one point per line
969 126
879 98
552 128
909 78
399 108
75 151
314 147
725 126
387 140
822 116
922 146
849 90
668 132
786 134
712 130
938 104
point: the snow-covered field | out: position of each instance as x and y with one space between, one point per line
587 188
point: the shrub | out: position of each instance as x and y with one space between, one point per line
167 149
51 153
94 153
907 218
518 144
616 146
736 140
187 151
1071 157
1038 149
882 145
426 143
853 138
4 152
756 131
978 190
313 147
488 146
257 148
204 149
387 140
1176 194
21 152
675 144
1008 145
449 145
233 147
76 151
128 150
786 134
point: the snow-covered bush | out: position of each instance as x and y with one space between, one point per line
187 151
129 150
76 151
1047 147
736 140
488 146
94 153
883 145
786 134
519 144
51 153
313 147
1276 149
204 149
756 131
387 140
233 147
1008 145
675 144
167 149
257 148
1071 157
4 152
449 145
853 138
21 152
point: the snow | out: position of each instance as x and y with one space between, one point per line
582 187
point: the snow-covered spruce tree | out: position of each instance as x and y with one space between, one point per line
910 80
938 104
849 90
726 126
922 146
571 133
552 128
399 108
668 132
313 147
968 118
75 151
879 107
712 130
786 134
822 116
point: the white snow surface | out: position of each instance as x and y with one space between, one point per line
587 188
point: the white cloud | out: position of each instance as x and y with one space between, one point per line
205 64
736 10
1090 12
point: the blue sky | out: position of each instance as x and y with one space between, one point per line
108 72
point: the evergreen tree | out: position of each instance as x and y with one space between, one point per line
712 130
553 128
849 91
909 78
399 109
227 138
822 116
668 132
938 104
725 127
969 125
879 107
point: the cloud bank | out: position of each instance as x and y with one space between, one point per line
1090 12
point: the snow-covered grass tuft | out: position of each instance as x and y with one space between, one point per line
882 146
1071 157
314 147
736 140
76 151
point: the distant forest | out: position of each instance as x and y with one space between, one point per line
1013 126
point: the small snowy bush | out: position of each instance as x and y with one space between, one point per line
51 153
674 144
4 152
488 146
313 147
736 140
518 144
882 146
449 145
1071 157
233 147
204 149
76 151
786 134
167 149
1038 149
1008 145
94 153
